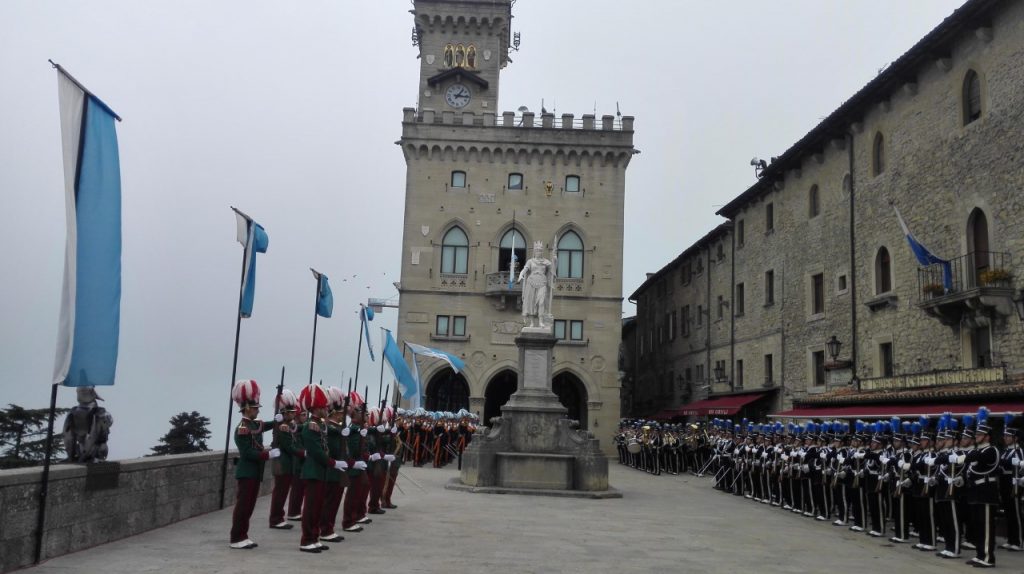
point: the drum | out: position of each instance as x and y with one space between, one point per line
633 447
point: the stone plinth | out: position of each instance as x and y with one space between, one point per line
532 447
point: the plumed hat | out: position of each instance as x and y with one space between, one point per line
313 397
336 398
287 401
246 393
355 400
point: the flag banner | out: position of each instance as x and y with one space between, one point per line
90 309
455 362
409 386
924 256
366 315
324 299
254 238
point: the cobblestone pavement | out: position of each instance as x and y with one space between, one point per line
662 524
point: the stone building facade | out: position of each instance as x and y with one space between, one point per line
481 184
820 255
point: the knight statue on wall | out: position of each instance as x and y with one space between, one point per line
86 428
539 276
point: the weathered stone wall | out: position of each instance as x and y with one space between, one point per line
90 505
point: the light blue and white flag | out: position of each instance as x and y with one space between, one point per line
324 297
366 315
455 362
924 256
255 240
409 385
90 308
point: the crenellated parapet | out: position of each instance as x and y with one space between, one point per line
517 138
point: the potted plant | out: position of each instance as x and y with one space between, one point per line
933 290
997 277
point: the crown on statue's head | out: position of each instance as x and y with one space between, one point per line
538 245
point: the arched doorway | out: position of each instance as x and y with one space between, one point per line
447 391
573 396
499 389
977 244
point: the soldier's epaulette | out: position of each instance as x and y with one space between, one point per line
243 429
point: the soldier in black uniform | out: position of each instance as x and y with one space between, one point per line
923 467
946 473
1010 485
876 479
982 478
898 469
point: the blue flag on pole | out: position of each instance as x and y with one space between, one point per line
366 315
90 310
324 298
408 385
926 257
255 240
455 362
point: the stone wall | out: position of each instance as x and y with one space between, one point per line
93 504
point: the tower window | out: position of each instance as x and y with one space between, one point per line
515 181
883 271
458 179
455 251
572 183
878 155
813 208
972 97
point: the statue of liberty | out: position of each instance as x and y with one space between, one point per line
539 275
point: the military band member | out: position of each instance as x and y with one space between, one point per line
946 477
923 493
898 468
1010 485
251 459
982 478
393 455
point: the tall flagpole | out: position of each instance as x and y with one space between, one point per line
234 371
316 301
380 386
359 351
45 487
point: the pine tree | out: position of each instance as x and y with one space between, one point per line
188 434
23 436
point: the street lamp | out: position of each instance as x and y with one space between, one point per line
833 345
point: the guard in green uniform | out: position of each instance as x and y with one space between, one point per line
251 458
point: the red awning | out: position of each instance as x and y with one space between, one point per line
727 405
665 415
903 410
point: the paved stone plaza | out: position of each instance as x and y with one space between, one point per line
663 524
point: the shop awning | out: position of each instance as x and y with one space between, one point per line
666 414
727 405
902 410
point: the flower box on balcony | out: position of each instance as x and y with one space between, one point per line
995 277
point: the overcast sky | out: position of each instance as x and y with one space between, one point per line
290 111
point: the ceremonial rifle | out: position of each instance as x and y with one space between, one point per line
277 409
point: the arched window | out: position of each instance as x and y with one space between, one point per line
511 237
972 97
455 251
572 183
813 207
570 255
458 179
883 271
878 155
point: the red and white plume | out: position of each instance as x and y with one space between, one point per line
287 401
313 397
246 393
336 397
355 400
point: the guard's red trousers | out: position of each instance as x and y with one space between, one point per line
377 487
389 483
311 510
295 496
282 484
332 501
245 500
355 499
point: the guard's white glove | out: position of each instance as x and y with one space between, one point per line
805 468
346 431
884 459
394 429
885 478
1020 481
822 455
859 455
906 483
841 459
905 466
374 457
389 457
859 474
359 465
1015 460
340 465
785 457
929 460
828 472
278 418
274 453
764 454
362 432
381 428
960 459
842 474
1021 464
958 481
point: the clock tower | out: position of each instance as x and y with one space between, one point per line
481 185
463 45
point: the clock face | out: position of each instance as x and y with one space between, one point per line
457 95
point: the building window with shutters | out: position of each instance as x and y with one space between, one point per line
972 97
769 370
883 271
818 368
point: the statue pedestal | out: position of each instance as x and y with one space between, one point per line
532 448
